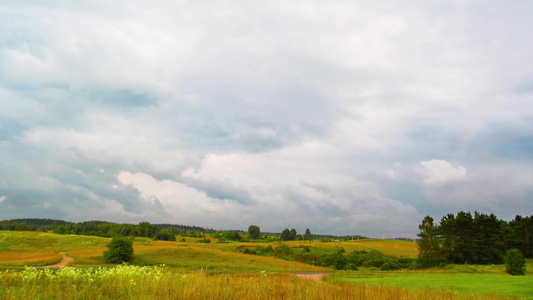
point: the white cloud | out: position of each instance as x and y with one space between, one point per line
2 198
235 113
438 173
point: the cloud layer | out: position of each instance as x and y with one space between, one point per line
345 118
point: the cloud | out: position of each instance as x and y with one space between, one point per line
438 173
227 115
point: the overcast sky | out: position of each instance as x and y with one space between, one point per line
344 117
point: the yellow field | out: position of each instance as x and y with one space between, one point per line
387 247
22 258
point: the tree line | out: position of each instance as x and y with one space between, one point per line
166 232
473 239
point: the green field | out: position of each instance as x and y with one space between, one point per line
226 265
483 280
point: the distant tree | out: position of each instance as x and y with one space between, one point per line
166 234
145 229
307 235
286 235
293 234
515 262
428 245
254 231
120 250
60 230
232 235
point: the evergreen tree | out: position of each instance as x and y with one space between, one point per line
428 245
307 235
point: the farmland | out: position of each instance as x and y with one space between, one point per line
221 270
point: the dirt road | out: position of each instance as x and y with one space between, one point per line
63 263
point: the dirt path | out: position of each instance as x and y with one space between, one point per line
311 275
63 263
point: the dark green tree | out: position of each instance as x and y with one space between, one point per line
450 241
232 235
522 234
464 230
515 262
286 235
307 235
166 234
120 250
293 234
254 231
428 245
488 244
145 229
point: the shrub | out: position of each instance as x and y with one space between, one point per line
204 240
405 262
120 250
335 260
389 266
351 266
282 251
515 262
374 263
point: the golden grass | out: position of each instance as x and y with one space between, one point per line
22 258
387 247
196 258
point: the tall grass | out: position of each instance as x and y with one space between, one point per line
131 282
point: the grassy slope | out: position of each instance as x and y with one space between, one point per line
29 248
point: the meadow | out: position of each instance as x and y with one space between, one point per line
133 282
468 280
219 271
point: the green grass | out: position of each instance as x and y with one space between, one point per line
464 279
42 241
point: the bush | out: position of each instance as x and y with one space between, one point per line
351 266
282 251
515 262
120 250
374 263
335 260
389 266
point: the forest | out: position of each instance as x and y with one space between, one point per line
473 239
166 232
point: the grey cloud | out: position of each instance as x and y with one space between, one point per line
345 99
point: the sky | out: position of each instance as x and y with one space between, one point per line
344 117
